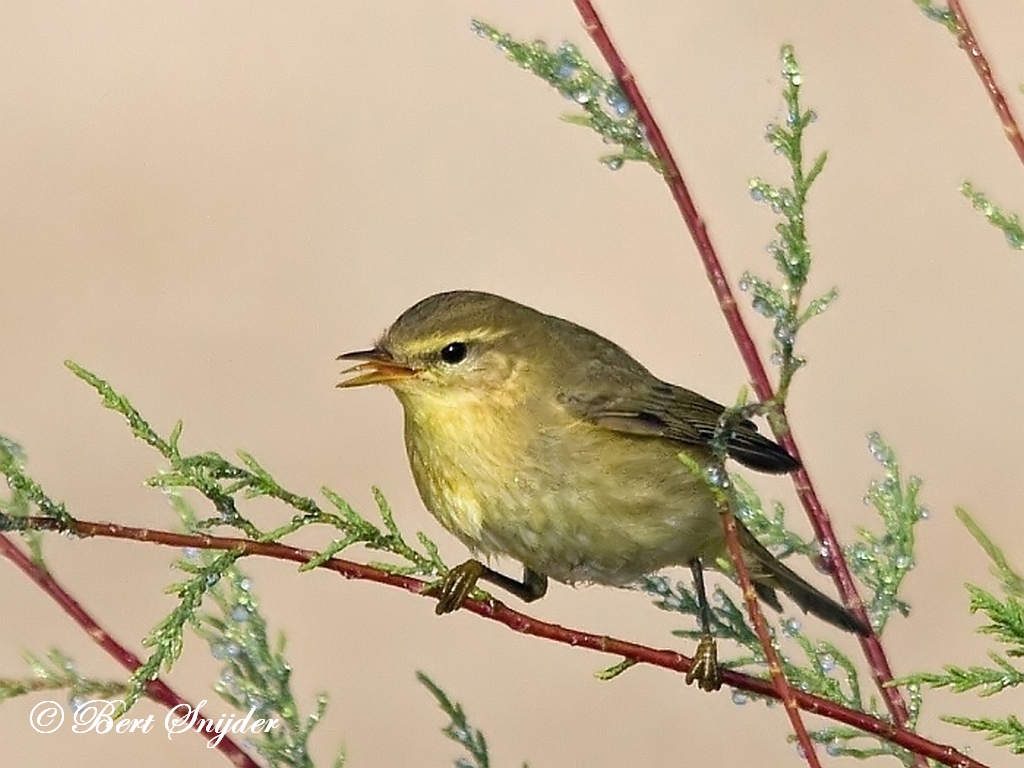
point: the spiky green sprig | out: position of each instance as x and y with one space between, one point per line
882 560
943 16
459 729
25 492
791 251
770 529
1003 731
59 672
19 503
1006 624
221 481
167 637
255 673
1008 223
604 107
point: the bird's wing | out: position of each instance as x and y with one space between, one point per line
641 404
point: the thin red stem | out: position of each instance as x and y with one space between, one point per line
524 624
779 681
965 36
820 522
157 690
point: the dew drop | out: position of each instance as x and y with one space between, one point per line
240 613
222 651
717 476
739 698
613 163
762 306
823 562
827 662
784 333
617 101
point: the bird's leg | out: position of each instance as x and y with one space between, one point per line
456 585
705 660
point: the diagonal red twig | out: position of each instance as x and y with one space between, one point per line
820 522
965 36
522 623
157 690
779 681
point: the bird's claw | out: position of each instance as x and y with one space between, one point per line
454 587
705 665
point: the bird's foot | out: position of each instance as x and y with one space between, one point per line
705 665
454 587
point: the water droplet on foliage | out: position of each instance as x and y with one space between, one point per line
784 333
717 476
739 698
762 306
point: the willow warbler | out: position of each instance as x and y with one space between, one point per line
533 437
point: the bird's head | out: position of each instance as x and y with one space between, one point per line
456 348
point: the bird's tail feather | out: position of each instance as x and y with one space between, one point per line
770 573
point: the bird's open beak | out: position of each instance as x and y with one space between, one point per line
378 368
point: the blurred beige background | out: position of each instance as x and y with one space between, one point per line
205 202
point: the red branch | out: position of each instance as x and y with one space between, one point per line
527 625
779 681
157 690
965 36
819 519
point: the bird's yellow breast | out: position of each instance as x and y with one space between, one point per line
464 452
567 498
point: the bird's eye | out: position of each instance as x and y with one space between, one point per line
454 352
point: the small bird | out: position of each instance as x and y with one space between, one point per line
536 438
